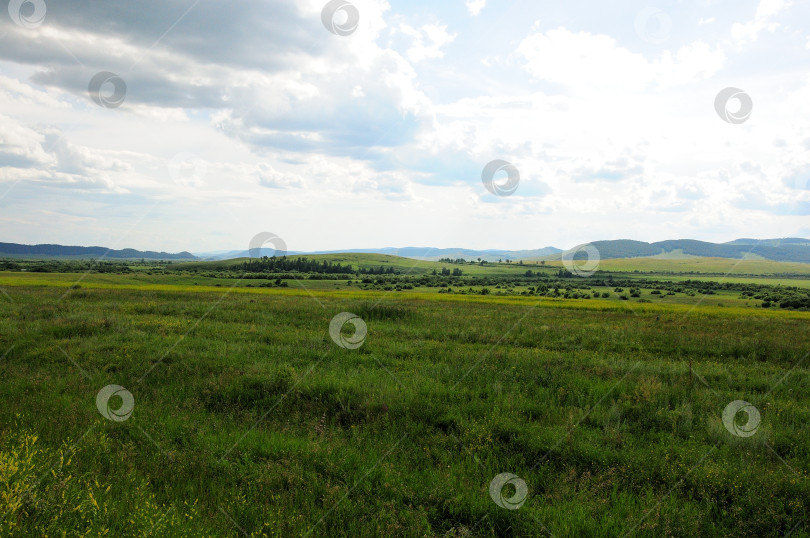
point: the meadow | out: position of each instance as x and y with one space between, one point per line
716 266
248 418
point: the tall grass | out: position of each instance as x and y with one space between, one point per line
253 421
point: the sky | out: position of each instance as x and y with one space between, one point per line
195 125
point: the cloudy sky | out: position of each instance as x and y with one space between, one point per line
213 121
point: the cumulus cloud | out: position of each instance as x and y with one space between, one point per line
614 170
45 155
269 67
767 10
475 6
579 60
272 178
395 119
427 41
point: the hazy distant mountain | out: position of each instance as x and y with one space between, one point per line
771 242
59 251
489 255
420 253
789 250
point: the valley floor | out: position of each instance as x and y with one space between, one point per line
248 418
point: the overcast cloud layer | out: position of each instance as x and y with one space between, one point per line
242 117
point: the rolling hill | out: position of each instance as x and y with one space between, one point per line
359 260
417 253
785 250
16 250
795 250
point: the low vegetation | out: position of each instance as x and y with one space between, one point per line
395 274
250 420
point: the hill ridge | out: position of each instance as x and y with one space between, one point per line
62 251
791 249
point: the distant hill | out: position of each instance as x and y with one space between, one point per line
491 255
418 253
16 250
786 250
771 242
790 249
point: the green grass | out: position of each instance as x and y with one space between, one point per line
304 286
250 419
368 261
714 266
721 266
803 282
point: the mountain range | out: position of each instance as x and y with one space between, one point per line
16 250
786 249
419 253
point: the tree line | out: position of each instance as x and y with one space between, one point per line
306 265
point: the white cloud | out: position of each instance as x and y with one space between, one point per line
767 10
45 155
21 146
427 41
298 127
581 61
272 178
475 6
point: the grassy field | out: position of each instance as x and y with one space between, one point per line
714 266
249 419
721 266
366 261
803 282
143 280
